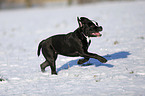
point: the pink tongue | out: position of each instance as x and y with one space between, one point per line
97 34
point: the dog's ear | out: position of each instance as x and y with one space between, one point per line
96 23
79 21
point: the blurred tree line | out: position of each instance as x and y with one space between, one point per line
30 3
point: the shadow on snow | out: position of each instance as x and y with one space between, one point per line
118 55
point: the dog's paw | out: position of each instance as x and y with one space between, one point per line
102 59
54 73
43 70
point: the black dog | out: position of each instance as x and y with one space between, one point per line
72 44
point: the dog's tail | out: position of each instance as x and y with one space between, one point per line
39 47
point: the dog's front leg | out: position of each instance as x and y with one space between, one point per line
91 55
81 61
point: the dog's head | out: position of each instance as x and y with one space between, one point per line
89 28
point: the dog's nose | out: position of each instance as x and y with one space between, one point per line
100 28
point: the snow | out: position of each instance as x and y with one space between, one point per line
122 43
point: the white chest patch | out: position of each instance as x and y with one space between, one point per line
88 39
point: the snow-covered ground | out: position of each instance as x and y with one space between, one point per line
122 43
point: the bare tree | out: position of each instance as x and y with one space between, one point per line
1 2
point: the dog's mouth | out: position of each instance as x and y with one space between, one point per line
97 34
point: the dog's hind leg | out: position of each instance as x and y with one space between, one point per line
50 56
81 61
44 65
